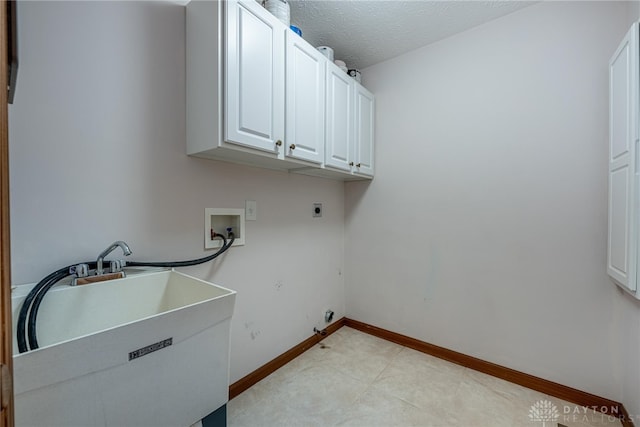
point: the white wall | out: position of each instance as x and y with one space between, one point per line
484 230
97 140
634 10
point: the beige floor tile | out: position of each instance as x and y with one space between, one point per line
319 391
478 405
421 380
519 400
276 381
355 379
252 398
267 413
377 409
359 355
238 405
310 396
418 361
506 388
354 342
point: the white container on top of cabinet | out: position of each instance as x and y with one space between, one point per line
624 170
257 94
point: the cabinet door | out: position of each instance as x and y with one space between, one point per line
339 138
305 88
364 122
623 168
254 74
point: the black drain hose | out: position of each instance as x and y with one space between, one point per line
26 305
32 302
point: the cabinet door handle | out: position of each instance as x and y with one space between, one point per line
292 146
278 143
350 163
358 165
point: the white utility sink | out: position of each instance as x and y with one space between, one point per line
147 350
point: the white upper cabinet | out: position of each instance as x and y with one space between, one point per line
339 138
259 94
622 245
305 100
254 72
363 124
350 124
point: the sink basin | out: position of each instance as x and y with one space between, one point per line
146 350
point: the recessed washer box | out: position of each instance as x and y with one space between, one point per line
219 219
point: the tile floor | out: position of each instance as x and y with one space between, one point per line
361 380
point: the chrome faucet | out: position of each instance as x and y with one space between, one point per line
122 245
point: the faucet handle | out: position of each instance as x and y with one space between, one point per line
80 270
116 265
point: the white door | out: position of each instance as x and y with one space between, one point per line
339 138
364 122
623 173
305 88
254 75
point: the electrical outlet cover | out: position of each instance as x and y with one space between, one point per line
250 207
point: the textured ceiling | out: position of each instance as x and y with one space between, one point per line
365 32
